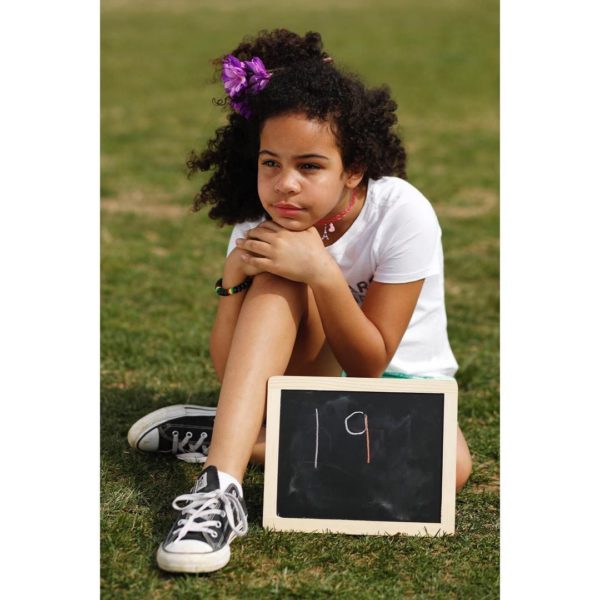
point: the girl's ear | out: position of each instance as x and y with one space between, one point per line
355 176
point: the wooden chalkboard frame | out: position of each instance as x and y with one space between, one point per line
447 387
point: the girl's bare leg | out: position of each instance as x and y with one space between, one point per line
258 452
274 325
464 464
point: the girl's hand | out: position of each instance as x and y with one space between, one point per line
236 269
296 255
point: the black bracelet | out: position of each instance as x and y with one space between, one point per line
233 290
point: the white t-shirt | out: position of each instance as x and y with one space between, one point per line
396 238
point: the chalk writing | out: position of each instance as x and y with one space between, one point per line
364 432
316 436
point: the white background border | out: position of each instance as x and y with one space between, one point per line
49 331
550 366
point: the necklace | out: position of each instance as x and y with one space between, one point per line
328 223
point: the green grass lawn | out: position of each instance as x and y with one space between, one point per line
159 264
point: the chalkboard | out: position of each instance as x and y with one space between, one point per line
363 456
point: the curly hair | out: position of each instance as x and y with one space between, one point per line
305 81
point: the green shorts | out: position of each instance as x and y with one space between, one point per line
390 375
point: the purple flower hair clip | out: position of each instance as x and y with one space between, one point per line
241 78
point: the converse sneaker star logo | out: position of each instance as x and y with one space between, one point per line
201 483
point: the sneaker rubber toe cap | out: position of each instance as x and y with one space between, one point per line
188 547
147 442
190 556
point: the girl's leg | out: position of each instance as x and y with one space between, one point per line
464 464
258 451
274 320
277 331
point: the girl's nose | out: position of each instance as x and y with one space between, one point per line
287 183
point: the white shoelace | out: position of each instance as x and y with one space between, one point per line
205 505
189 455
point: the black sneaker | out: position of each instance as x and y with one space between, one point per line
210 519
184 430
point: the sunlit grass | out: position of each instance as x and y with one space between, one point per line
159 264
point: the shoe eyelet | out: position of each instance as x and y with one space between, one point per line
175 434
188 434
219 525
214 534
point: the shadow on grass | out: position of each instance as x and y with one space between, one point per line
137 488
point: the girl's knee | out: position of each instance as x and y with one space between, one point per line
267 282
463 472
294 293
266 279
464 462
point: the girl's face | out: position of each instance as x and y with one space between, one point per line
301 178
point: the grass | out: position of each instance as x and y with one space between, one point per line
159 263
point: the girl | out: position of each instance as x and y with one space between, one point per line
334 264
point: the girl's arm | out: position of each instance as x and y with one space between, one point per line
234 272
362 340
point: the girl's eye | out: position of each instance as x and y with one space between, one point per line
310 167
269 163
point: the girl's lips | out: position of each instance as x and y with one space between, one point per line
287 209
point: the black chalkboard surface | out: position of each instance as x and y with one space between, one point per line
360 455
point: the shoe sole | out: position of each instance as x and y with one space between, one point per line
140 428
193 563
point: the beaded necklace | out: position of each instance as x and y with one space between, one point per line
328 222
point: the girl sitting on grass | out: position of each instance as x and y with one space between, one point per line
335 264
